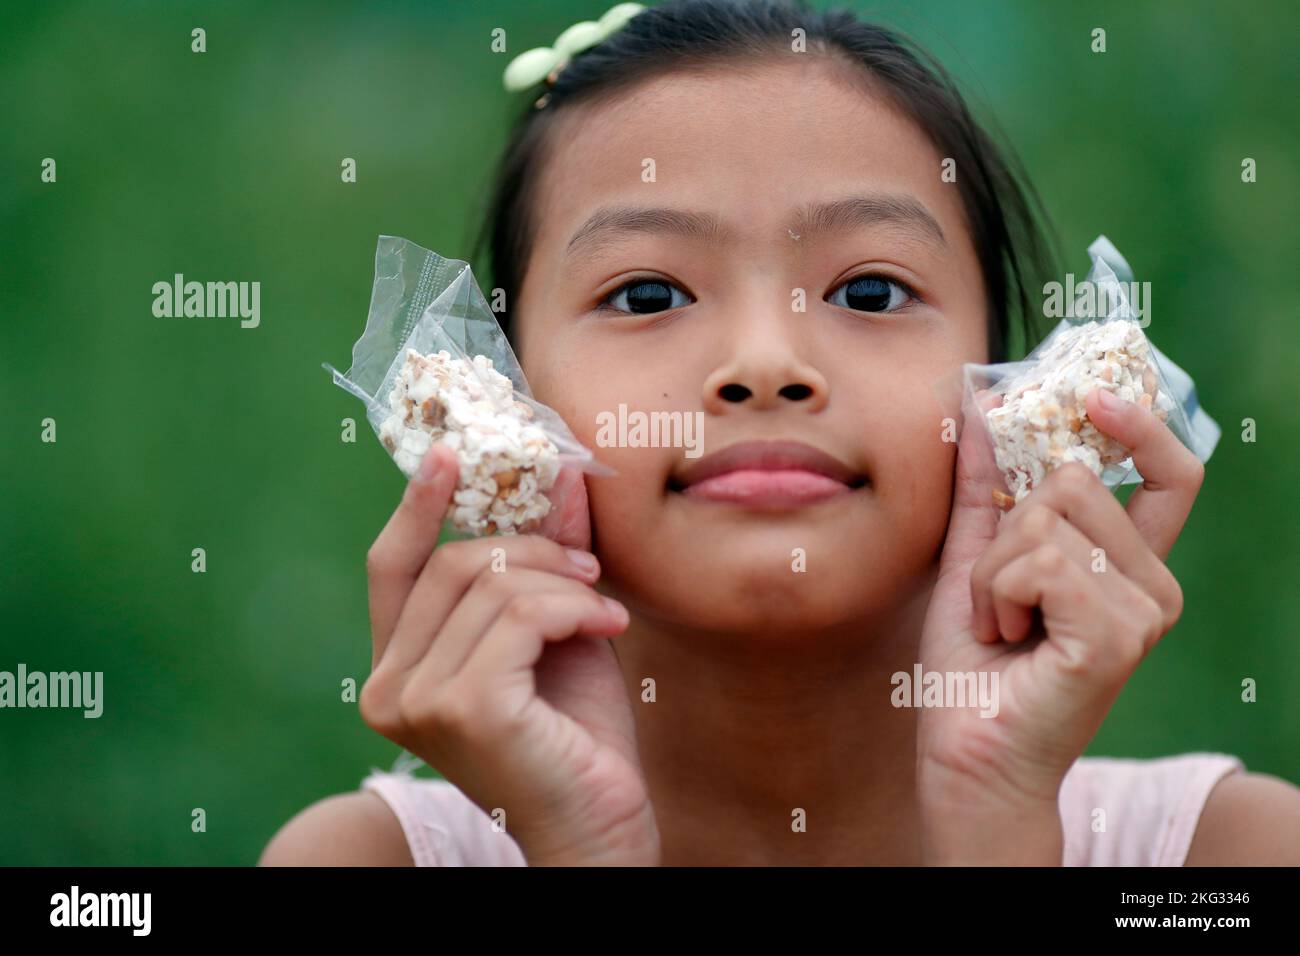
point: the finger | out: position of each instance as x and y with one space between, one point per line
1106 633
470 619
973 521
1069 596
569 521
407 540
1094 642
1035 526
1079 496
452 570
1171 473
515 640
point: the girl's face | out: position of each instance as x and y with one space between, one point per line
758 199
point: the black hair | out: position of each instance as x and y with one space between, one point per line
1010 232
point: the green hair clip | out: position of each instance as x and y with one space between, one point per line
545 62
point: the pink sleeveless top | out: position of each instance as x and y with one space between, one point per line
1115 812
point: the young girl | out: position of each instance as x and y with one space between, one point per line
705 215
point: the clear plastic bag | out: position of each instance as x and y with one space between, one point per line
1031 413
423 301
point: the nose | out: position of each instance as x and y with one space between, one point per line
765 375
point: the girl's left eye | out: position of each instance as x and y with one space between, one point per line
873 293
645 297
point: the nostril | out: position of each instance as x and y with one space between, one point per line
796 392
734 393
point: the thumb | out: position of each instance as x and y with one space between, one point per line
973 522
568 522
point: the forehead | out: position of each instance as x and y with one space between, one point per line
751 145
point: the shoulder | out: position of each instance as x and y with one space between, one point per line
1124 811
395 819
346 829
1250 819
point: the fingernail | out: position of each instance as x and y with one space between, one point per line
1110 401
429 466
585 562
619 610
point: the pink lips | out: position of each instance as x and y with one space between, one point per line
768 474
767 488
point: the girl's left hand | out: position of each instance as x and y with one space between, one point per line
1068 555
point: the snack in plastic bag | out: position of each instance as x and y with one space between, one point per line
1034 411
434 366
1042 422
507 463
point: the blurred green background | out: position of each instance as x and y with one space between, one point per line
223 689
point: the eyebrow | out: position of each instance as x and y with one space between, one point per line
612 223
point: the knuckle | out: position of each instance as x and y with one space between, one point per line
448 562
1075 481
496 588
524 609
1120 649
545 549
1146 624
1175 599
595 599
1082 659
375 704
981 572
1076 594
532 551
1154 617
1049 560
541 552
1000 586
445 709
1167 594
376 561
1132 651
445 557
1038 523
1006 583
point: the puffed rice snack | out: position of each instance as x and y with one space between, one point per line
507 462
1043 423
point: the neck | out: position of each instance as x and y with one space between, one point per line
744 734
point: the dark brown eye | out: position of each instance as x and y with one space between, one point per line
872 294
646 296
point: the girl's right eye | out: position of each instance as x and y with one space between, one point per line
644 297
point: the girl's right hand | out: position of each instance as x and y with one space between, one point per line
492 664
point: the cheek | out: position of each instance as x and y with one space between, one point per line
583 378
623 506
620 505
914 483
573 395
910 459
640 556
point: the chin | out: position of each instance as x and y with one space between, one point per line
754 592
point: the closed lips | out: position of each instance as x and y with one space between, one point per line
776 456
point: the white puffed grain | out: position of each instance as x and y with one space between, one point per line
1043 422
507 462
